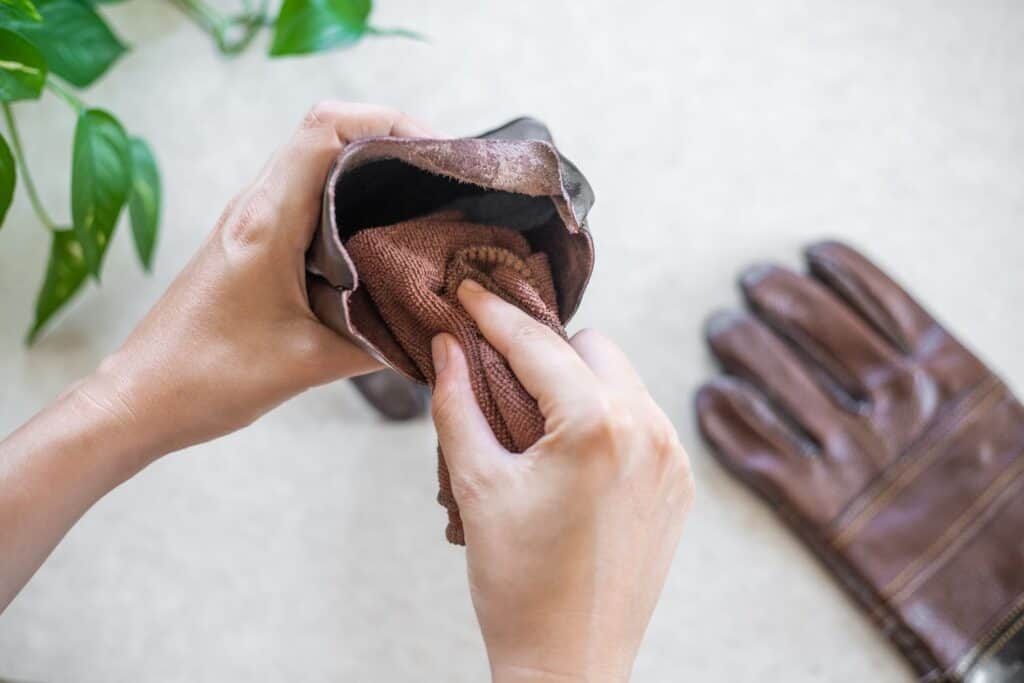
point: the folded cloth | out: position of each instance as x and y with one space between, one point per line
406 220
412 271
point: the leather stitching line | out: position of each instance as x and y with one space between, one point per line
906 469
960 532
915 460
883 613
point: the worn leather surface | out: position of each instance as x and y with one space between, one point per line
891 449
394 394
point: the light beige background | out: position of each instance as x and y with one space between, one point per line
308 547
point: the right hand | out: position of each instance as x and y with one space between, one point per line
568 543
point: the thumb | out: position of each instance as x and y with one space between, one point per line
470 448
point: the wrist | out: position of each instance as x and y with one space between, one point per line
109 402
556 643
518 673
559 656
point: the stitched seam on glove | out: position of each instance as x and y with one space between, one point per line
984 508
905 469
858 587
881 612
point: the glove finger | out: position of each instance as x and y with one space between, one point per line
874 295
753 441
394 396
746 348
857 359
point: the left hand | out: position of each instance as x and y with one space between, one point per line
234 335
231 338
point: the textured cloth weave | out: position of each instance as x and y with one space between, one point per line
411 271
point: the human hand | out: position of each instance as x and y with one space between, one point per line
568 543
234 336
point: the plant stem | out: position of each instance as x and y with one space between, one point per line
30 186
217 25
208 18
55 87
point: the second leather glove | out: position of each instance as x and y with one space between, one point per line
894 453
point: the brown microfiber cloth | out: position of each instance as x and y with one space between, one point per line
412 271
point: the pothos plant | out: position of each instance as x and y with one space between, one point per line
62 47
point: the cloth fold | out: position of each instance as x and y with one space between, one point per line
411 271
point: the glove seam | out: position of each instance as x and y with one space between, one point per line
866 504
855 585
972 522
884 614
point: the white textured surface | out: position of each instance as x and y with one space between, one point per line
308 547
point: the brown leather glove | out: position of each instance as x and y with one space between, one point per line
892 451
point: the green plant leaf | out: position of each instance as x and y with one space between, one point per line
65 273
305 26
22 68
100 181
23 10
76 42
144 201
8 176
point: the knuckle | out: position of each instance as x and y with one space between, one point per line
253 220
526 334
603 424
665 440
590 337
443 402
228 211
319 114
400 118
468 486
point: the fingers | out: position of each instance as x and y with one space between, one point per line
549 368
747 349
823 327
394 396
874 294
356 120
469 446
614 370
753 441
742 425
607 361
285 198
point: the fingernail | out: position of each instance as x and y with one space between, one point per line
721 322
471 286
755 274
439 351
